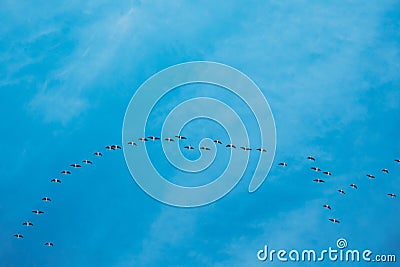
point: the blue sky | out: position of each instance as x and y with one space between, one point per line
330 72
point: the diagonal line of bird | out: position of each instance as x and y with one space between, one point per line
28 224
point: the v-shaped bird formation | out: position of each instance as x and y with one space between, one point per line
29 224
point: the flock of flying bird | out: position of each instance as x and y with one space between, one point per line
154 138
169 139
341 191
57 180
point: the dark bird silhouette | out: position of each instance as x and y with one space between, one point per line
37 212
334 220
75 165
87 161
341 191
205 148
319 180
110 147
180 137
327 206
47 199
65 172
385 170
217 142
19 236
115 147
153 138
98 154
397 160
143 139
370 176
27 224
49 244
311 158
132 143
245 148
284 164
392 195
315 169
189 147
56 180
230 146
169 139
354 186
327 173
261 149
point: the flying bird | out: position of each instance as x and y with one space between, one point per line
189 147
334 220
327 173
115 147
370 176
98 154
315 169
27 224
19 236
217 142
341 191
397 160
205 148
354 186
284 164
245 148
153 138
230 146
75 165
56 180
168 139
132 143
385 170
65 172
392 195
180 137
143 139
37 212
110 147
49 244
319 180
261 149
87 161
327 206
311 158
47 199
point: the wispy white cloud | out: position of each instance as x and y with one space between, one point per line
313 68
105 41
